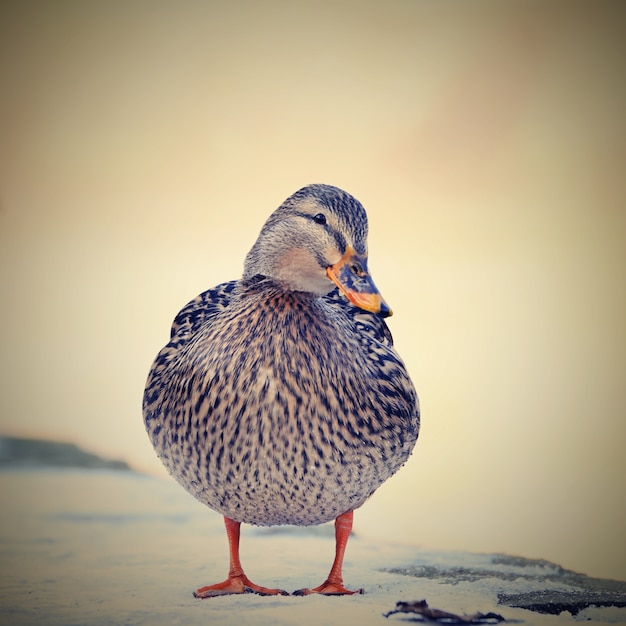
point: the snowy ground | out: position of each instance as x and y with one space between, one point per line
101 547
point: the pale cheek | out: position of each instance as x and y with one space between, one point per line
297 260
332 255
298 270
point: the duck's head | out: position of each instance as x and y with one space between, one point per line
314 241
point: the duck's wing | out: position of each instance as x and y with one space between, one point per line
186 324
201 309
396 394
370 324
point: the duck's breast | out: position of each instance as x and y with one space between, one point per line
279 411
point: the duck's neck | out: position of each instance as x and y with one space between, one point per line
294 269
267 287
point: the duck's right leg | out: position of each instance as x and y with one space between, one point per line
237 581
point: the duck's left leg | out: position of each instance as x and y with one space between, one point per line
333 585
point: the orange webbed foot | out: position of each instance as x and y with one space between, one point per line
333 585
329 588
237 581
236 584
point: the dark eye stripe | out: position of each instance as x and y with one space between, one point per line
340 240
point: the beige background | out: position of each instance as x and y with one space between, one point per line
143 144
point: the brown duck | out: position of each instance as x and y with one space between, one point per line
280 398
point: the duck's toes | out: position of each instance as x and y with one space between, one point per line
329 588
236 584
264 591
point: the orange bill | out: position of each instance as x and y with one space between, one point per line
351 276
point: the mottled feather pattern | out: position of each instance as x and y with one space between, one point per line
201 309
289 427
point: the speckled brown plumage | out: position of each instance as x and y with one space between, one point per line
275 405
295 418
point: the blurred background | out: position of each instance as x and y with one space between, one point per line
144 143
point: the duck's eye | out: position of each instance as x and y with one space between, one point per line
320 218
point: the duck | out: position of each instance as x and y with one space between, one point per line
280 398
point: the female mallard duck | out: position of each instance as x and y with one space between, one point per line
280 398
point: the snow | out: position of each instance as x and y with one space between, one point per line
103 547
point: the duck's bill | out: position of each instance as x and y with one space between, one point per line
351 276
